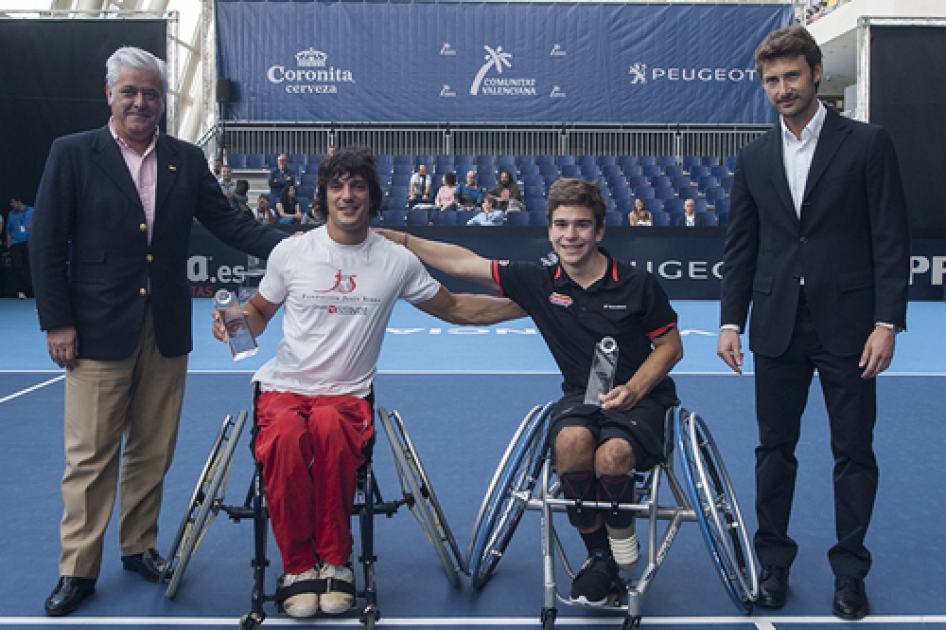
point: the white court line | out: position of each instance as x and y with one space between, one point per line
33 388
766 623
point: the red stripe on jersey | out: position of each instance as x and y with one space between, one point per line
660 331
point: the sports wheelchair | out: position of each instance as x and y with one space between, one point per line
693 472
207 501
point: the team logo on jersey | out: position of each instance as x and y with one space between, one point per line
560 300
343 284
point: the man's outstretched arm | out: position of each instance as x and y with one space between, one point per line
470 309
448 258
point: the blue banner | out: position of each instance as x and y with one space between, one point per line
687 261
495 62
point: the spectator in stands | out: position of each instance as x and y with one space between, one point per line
109 262
446 195
506 195
469 196
287 208
281 176
639 214
690 217
227 185
240 200
332 149
589 295
419 191
315 407
264 212
217 168
488 215
19 228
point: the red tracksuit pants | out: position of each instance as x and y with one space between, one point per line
311 449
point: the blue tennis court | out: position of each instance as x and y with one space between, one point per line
462 392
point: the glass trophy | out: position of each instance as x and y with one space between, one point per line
255 270
241 341
603 367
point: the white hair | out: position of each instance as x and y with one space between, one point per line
131 57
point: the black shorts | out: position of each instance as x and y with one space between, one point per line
642 426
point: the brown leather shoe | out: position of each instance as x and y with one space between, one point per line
68 595
149 564
773 587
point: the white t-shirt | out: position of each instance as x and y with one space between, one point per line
338 300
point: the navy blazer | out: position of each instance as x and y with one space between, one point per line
90 255
851 244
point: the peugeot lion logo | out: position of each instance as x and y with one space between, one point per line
639 73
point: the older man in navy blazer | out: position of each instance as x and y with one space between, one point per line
818 242
109 252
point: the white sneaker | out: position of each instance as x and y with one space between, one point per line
336 601
303 604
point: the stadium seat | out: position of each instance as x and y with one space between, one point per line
673 205
689 161
544 160
464 158
707 182
654 205
722 218
571 170
485 179
401 179
688 192
674 170
731 163
237 161
651 170
517 218
606 160
721 207
665 192
538 218
392 217
403 158
529 169
644 192
525 160
699 171
304 190
615 218
720 170
443 217
666 160
661 181
637 180
535 204
681 181
591 172
534 191
298 158
536 181
710 218
255 161
726 182
710 160
317 158
661 218
272 160
548 170
583 160
623 193
646 160
713 194
418 217
624 161
633 170
623 205
563 160
505 160
464 216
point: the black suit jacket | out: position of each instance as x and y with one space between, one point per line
851 245
91 259
698 220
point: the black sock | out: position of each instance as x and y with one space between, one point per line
597 541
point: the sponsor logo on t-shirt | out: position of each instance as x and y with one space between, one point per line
342 284
560 300
615 307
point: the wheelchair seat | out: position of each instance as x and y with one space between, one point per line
694 473
208 500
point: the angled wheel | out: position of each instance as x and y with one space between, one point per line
420 495
717 510
508 495
205 501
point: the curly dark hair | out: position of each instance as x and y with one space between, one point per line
352 160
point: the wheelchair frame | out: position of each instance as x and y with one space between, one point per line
208 497
697 480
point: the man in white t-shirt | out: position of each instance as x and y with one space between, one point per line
339 284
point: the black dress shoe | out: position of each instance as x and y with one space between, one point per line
149 564
850 599
68 595
773 587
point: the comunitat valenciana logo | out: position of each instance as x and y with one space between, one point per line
485 85
641 74
312 74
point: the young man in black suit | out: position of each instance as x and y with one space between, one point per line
818 242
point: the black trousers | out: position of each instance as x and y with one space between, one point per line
782 386
20 255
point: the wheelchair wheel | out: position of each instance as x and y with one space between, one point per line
717 510
205 501
507 496
420 495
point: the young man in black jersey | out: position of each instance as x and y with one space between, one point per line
586 297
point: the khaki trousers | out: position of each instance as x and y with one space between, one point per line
136 400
